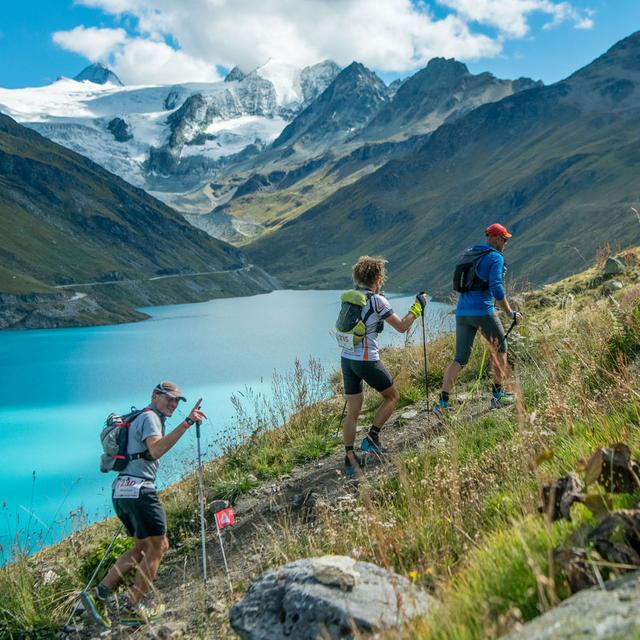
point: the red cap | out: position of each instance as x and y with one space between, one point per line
497 231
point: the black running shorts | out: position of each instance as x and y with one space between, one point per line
466 329
143 516
373 373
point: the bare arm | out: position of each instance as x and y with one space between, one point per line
417 308
401 324
159 445
506 307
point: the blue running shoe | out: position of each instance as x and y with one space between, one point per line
373 446
441 409
351 469
500 399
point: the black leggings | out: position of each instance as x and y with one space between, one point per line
372 372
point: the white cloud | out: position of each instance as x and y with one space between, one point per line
510 17
90 42
136 60
147 62
387 35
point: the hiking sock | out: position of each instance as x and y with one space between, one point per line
444 396
374 433
496 389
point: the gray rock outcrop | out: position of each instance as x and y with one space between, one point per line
292 602
612 267
236 74
98 74
120 130
597 614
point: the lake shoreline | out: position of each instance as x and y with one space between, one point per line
63 310
87 305
218 350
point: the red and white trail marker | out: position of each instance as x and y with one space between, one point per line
225 518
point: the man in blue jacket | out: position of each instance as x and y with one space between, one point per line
475 311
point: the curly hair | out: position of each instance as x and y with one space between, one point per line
369 272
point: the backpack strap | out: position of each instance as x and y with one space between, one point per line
483 284
146 455
370 310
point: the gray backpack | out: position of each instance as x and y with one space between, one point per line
114 438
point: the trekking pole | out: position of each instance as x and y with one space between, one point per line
95 573
426 369
509 330
201 496
344 410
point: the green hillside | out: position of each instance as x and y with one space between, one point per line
558 165
64 220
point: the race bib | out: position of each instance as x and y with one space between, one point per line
344 340
127 487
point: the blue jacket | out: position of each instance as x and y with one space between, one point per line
489 268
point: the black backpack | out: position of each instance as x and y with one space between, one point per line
114 438
465 278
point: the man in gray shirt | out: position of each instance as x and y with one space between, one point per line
136 503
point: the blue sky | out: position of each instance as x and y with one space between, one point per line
165 40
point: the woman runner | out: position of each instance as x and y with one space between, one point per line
362 362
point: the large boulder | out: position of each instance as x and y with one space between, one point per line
596 614
329 597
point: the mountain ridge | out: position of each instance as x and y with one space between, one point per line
548 160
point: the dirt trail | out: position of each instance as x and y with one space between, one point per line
179 581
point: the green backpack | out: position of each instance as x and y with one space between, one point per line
351 324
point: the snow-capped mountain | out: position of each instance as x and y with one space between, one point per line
99 74
165 138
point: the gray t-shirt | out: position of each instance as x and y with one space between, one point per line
148 423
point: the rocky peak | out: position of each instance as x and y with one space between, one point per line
443 90
98 74
445 70
235 74
343 108
357 76
316 78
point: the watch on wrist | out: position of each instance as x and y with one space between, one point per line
189 421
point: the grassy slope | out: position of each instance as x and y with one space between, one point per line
273 208
457 514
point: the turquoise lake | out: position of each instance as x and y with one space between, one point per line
59 385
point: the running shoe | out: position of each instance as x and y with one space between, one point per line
501 399
372 445
96 606
135 615
350 469
441 409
